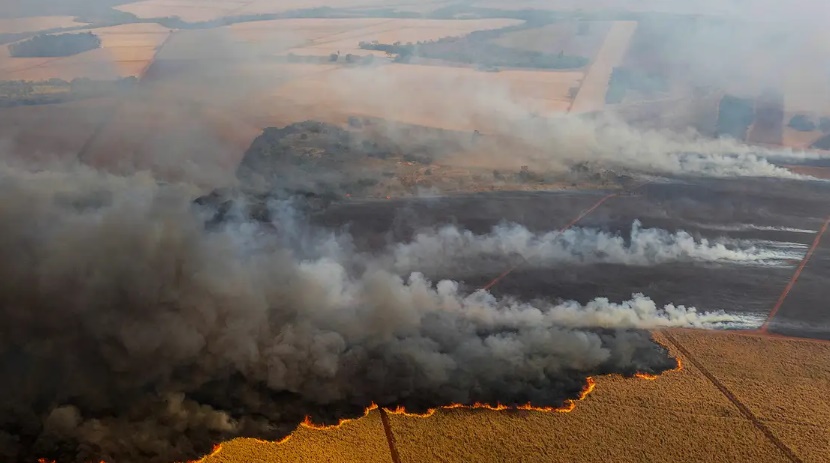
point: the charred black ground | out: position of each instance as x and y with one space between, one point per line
142 326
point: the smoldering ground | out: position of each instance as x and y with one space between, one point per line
133 334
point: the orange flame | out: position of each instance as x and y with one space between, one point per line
567 407
311 425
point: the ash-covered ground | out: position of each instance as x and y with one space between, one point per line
770 215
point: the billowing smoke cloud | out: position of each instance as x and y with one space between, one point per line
453 250
132 334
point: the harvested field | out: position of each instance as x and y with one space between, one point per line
269 6
126 50
69 126
321 37
175 138
442 97
591 96
35 24
570 37
206 10
680 416
709 7
187 10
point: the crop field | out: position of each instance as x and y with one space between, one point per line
126 50
173 137
569 37
591 96
188 10
442 97
69 124
321 37
269 6
710 7
35 23
680 416
206 10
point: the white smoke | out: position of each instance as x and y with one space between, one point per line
450 249
751 227
179 336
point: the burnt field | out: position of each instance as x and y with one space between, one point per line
776 215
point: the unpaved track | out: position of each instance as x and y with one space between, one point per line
591 95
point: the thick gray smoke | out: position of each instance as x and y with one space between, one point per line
454 250
133 334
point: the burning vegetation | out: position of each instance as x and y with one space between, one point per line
138 334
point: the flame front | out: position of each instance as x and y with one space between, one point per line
568 406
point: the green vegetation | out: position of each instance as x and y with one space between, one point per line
735 115
44 45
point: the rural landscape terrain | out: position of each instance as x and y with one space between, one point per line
445 230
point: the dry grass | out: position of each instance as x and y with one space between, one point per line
681 416
176 138
360 441
68 126
188 10
591 96
126 50
321 37
270 6
206 10
779 380
709 7
443 97
35 24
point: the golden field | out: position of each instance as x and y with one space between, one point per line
187 10
69 126
321 37
708 7
36 23
126 50
454 98
206 10
679 417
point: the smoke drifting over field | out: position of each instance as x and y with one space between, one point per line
135 335
455 251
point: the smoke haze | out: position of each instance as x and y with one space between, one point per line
135 332
457 251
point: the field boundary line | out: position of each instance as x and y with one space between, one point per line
390 438
765 327
743 409
560 230
564 228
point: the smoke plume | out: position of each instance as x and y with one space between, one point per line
135 335
450 249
